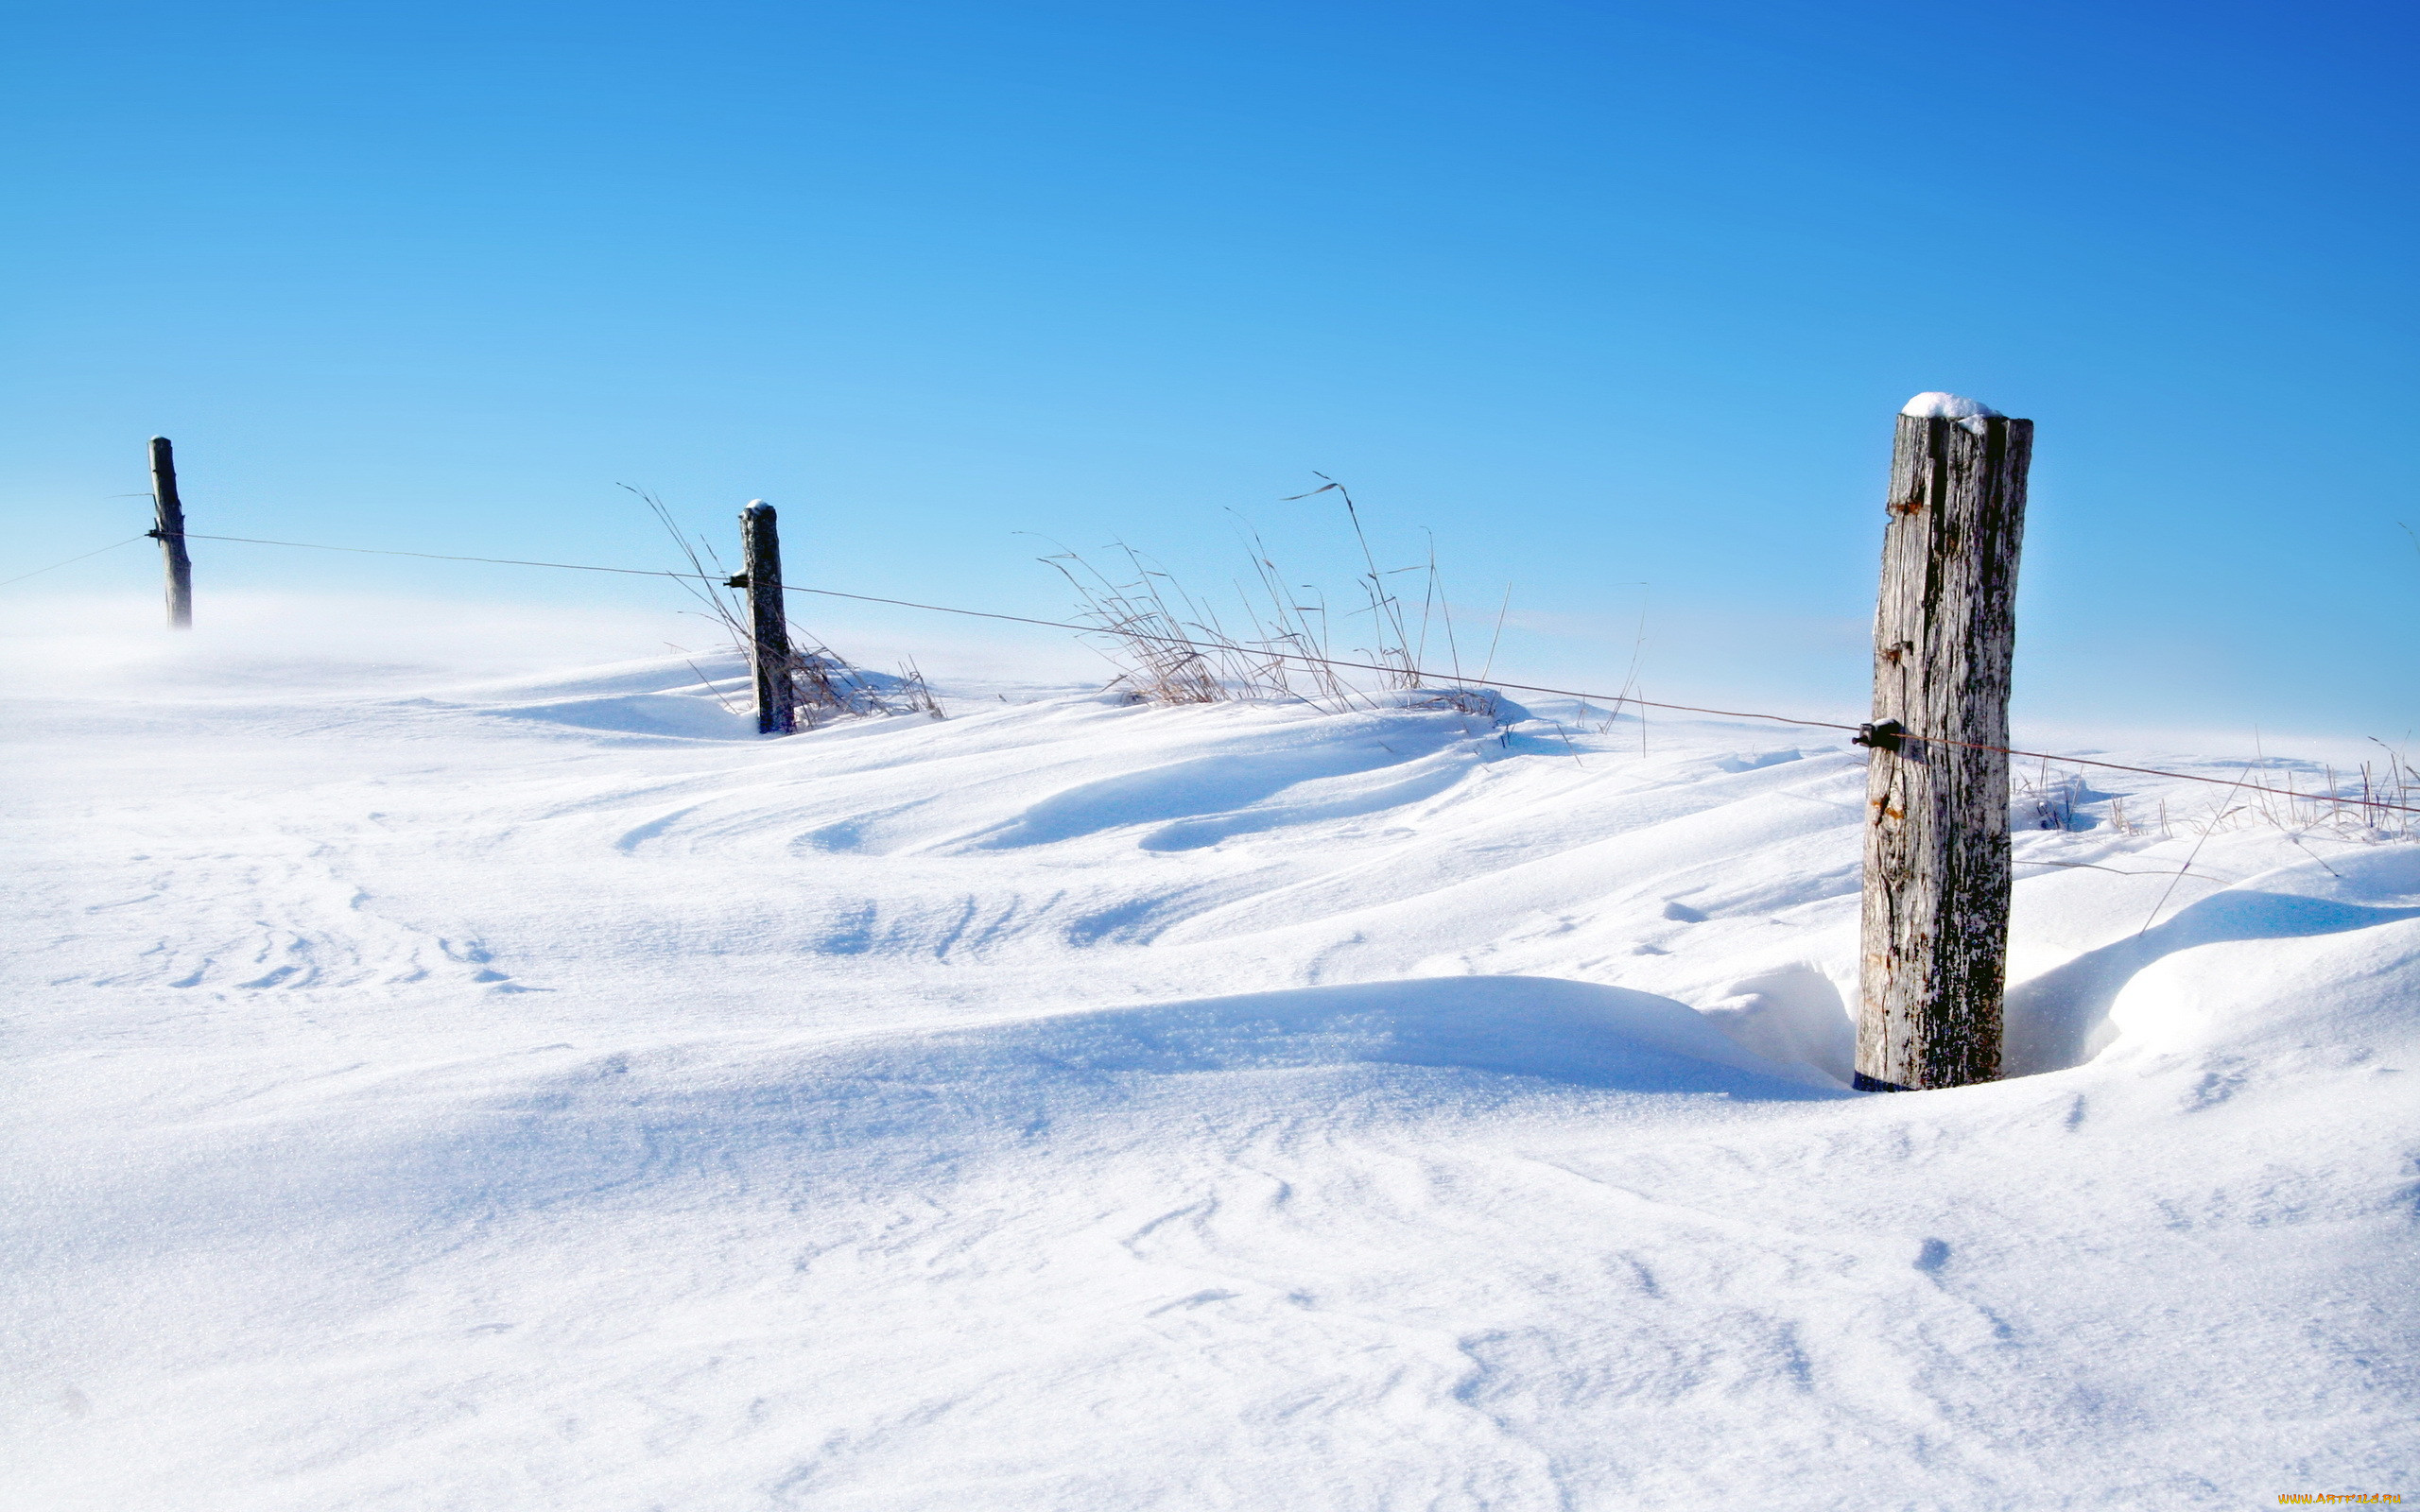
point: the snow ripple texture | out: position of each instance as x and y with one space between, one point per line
547 1094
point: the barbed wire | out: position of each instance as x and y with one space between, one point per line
1613 701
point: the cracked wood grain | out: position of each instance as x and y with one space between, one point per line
1934 936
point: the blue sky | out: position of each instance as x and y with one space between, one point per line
1600 295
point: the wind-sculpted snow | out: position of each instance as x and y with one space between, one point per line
442 1093
1558 1031
1208 798
2063 1015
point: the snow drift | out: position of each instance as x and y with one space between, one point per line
544 1092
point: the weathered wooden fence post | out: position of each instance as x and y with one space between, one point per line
1935 931
770 627
168 529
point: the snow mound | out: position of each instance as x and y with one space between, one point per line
1935 404
2067 1016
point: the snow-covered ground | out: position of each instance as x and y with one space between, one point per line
426 1094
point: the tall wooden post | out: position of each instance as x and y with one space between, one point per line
1935 931
776 698
168 529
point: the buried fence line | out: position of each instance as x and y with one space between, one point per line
1938 869
1610 700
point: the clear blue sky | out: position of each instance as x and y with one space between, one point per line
1600 294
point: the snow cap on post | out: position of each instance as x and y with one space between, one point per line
1970 415
1938 406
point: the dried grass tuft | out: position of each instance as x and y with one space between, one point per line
2301 801
1171 647
2294 797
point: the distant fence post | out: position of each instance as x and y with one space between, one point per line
1935 930
168 529
776 698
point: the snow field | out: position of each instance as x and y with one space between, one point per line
546 1093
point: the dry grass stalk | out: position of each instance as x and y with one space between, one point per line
2048 799
1152 638
1173 648
2334 807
